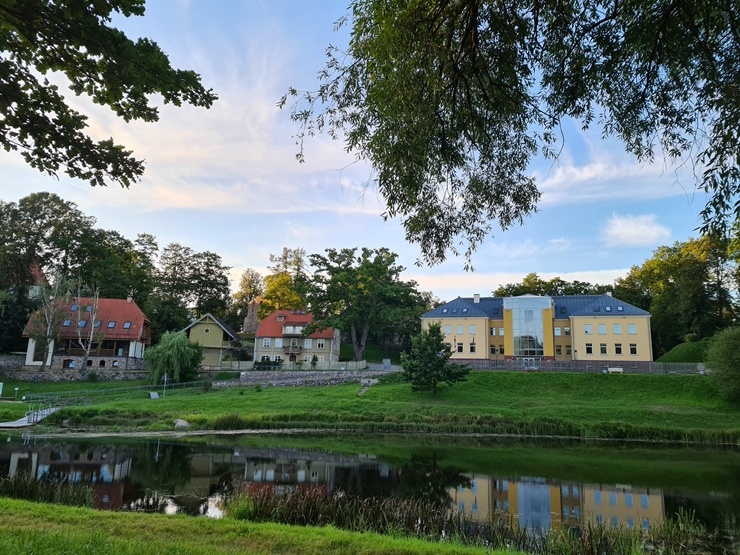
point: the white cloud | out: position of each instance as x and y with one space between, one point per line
634 231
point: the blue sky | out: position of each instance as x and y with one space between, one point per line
226 179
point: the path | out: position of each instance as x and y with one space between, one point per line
32 417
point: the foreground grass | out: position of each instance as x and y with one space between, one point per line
51 529
650 407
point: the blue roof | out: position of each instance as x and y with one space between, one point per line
565 307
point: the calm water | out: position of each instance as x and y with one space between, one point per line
541 485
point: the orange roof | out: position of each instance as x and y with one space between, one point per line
272 327
120 319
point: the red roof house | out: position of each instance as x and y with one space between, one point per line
281 337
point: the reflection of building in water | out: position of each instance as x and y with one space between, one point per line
102 467
623 505
536 504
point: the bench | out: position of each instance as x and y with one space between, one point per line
616 370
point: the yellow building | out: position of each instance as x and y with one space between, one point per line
597 332
215 336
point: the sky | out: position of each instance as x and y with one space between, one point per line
226 179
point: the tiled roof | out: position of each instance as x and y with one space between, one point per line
113 315
272 327
565 307
223 325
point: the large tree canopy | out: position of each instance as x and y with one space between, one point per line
449 100
73 38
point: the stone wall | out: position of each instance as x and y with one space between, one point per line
11 362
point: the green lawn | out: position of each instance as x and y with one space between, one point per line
52 529
684 408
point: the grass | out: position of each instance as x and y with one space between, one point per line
41 528
687 352
373 353
649 407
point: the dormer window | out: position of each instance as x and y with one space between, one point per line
67 323
88 308
73 308
98 323
597 309
280 317
464 310
608 308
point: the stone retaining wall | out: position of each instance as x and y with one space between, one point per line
283 378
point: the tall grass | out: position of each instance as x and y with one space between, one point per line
23 485
421 519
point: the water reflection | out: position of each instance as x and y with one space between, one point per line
154 476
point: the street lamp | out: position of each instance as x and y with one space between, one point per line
16 393
164 387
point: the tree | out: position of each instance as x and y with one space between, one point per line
285 287
429 364
532 284
251 285
723 362
75 39
44 324
175 356
359 293
449 100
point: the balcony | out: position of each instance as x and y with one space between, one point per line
292 331
292 349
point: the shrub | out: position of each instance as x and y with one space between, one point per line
723 361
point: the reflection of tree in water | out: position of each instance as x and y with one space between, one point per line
161 468
423 478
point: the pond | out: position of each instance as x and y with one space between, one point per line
539 484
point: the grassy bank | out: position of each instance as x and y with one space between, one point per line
650 407
41 528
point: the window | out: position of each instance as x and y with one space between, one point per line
472 347
501 349
82 323
306 358
608 308
576 493
568 351
614 521
617 348
280 317
587 329
98 323
567 331
266 342
613 498
278 342
308 343
558 331
620 309
602 348
126 325
597 309
459 347
265 358
565 490
299 329
88 309
464 310
589 349
207 330
617 329
112 324
644 501
444 311
645 524
602 329
73 308
631 329
278 358
633 348
448 346
566 510
459 328
501 332
454 310
319 343
471 329
628 499
558 350
67 323
493 349
493 331
448 330
320 358
495 310
288 329
597 498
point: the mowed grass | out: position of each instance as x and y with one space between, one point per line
581 405
52 529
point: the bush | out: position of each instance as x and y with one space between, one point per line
723 361
175 356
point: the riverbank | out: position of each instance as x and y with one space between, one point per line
664 408
54 529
